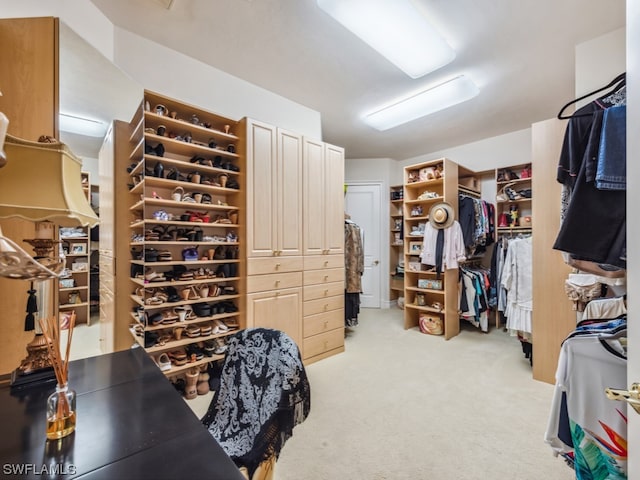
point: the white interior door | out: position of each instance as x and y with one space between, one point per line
362 203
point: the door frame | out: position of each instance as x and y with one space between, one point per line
384 241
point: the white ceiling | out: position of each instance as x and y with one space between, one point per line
520 53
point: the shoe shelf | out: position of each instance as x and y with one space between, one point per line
183 283
176 369
71 289
164 326
426 290
178 126
220 298
174 344
423 308
73 305
513 216
187 134
425 200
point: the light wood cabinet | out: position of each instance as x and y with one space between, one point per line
280 309
323 203
274 190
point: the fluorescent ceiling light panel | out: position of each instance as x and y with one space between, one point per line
396 30
425 102
82 125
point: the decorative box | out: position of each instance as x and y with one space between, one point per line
67 283
430 283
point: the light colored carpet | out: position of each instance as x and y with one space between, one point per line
399 404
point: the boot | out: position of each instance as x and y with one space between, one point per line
203 381
190 389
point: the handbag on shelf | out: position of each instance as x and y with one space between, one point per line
431 324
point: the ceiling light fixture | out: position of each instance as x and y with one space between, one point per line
396 30
82 125
425 102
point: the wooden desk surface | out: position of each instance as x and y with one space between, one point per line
131 424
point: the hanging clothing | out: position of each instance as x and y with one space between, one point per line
452 246
592 169
476 218
353 257
584 425
474 305
354 269
604 308
517 281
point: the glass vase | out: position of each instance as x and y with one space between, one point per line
61 412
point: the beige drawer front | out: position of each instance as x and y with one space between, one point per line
313 277
322 305
260 266
261 283
313 292
317 262
322 322
323 342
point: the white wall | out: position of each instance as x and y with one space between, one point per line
166 71
599 61
501 151
171 73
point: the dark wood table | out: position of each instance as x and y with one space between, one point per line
131 424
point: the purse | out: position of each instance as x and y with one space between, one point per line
431 324
581 289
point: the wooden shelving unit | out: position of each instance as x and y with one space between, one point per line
396 242
420 194
186 192
505 205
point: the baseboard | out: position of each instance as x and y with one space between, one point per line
389 304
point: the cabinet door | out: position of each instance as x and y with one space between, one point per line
334 199
261 189
289 193
277 309
313 198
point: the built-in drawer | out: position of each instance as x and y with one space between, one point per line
313 277
312 292
323 342
322 305
317 262
260 266
322 322
261 283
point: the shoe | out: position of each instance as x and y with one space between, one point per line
163 362
190 389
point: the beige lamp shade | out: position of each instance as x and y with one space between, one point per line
42 181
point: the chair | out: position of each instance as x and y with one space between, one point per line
264 393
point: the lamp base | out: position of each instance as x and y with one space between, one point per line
36 367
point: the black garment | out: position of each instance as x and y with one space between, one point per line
264 393
467 219
351 309
439 251
594 225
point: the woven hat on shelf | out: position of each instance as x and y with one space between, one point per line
441 215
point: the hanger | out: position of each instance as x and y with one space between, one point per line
619 81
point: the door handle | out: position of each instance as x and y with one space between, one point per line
632 396
376 262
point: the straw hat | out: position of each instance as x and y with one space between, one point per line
441 215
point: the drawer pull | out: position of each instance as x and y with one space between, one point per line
277 266
326 306
326 292
326 263
326 345
277 283
326 277
326 324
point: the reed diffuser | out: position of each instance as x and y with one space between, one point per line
61 405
